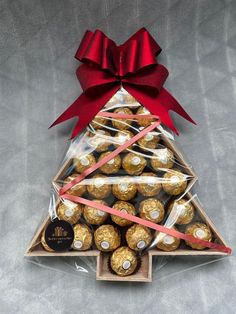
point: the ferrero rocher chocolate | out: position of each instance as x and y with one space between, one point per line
128 99
163 158
138 237
69 211
122 137
144 121
100 141
150 187
78 189
112 166
119 123
99 188
124 190
98 122
174 182
124 207
167 242
123 261
133 164
107 238
199 231
84 162
93 215
150 140
181 211
44 244
82 237
152 209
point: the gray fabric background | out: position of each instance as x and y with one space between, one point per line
37 42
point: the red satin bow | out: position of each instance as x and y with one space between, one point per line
106 66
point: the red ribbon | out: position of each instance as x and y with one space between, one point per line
106 66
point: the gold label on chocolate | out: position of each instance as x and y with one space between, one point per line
105 245
168 239
141 244
126 265
59 235
84 161
69 212
78 244
200 234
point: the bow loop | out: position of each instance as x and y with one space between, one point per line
106 66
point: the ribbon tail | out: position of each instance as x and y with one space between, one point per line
85 107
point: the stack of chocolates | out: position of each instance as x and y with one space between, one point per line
143 180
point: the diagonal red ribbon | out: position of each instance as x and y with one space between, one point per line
148 224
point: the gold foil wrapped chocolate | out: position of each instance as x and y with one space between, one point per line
150 140
124 207
69 211
123 261
84 162
112 166
151 186
124 190
83 237
128 99
107 238
99 188
93 215
122 137
119 123
100 141
174 182
167 242
99 122
200 231
144 121
133 163
138 237
152 209
44 244
78 189
181 211
163 158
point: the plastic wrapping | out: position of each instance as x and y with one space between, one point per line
149 179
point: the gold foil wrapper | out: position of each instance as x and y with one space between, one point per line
125 190
163 158
111 166
78 189
124 207
122 137
150 187
152 209
123 261
83 237
167 242
122 124
133 164
107 238
44 244
99 122
95 216
69 211
138 237
150 140
181 211
84 162
129 99
174 182
144 121
200 231
100 141
99 188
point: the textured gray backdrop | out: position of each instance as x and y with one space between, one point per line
37 42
